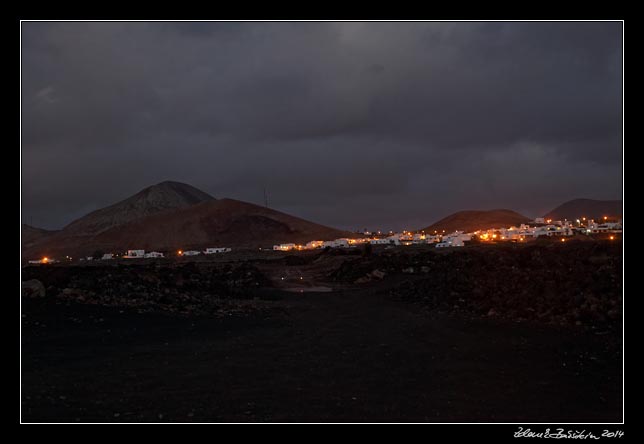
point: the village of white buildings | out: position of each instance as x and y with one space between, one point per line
540 227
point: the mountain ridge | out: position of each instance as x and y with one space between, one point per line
212 222
589 208
150 200
472 220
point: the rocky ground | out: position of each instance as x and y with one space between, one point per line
186 288
577 283
484 333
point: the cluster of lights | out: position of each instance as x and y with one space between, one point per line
487 237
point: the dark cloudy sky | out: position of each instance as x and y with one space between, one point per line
389 125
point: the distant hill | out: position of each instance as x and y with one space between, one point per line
32 235
588 208
211 223
151 200
472 220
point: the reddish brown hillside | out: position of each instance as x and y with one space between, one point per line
154 199
472 220
224 222
589 208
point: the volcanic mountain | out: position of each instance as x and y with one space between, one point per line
154 199
209 223
473 220
589 208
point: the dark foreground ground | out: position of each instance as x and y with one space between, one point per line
359 353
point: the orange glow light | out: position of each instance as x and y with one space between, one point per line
563 240
180 252
45 260
605 217
612 237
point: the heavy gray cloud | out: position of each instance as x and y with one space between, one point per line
381 125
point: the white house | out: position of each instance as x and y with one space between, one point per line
450 243
134 254
552 230
560 231
107 256
385 241
216 250
455 239
337 243
153 254
191 253
613 227
314 244
395 239
512 233
431 238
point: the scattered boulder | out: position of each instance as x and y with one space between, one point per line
378 274
33 289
